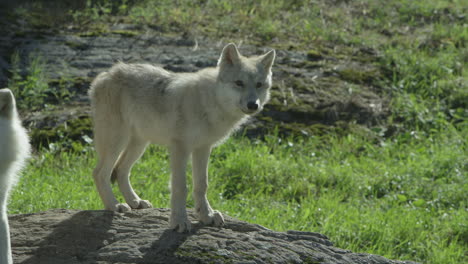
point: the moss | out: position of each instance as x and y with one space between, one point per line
314 55
308 64
126 33
276 102
364 58
301 106
99 31
265 118
320 129
42 137
359 76
90 34
299 84
71 130
286 45
81 80
74 80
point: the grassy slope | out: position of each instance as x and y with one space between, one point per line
402 196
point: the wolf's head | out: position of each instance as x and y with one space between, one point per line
246 81
7 104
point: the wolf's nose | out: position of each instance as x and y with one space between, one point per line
252 106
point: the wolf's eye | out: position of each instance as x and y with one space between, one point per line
239 83
259 84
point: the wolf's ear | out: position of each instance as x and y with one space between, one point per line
268 59
229 56
7 102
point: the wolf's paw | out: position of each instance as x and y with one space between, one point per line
140 204
180 224
215 218
121 208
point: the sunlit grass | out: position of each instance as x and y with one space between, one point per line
401 198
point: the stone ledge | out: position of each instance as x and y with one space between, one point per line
142 236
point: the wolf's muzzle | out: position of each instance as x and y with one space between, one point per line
252 106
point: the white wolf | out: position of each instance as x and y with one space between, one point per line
137 104
14 149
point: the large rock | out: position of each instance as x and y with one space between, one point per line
142 236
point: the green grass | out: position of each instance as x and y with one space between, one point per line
404 198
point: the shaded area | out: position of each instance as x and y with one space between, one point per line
61 236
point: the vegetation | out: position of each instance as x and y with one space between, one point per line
32 89
404 198
396 188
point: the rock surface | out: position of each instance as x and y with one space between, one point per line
308 91
71 236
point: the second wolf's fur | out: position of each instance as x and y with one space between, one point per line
14 149
137 104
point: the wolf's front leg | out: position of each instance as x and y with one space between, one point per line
178 159
205 213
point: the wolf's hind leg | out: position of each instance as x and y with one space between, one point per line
205 213
135 148
108 147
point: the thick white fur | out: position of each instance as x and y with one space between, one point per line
137 104
14 149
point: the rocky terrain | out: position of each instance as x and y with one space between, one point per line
70 236
314 91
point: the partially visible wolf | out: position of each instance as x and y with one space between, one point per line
14 149
137 104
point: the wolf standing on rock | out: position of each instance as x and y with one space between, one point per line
14 149
137 104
